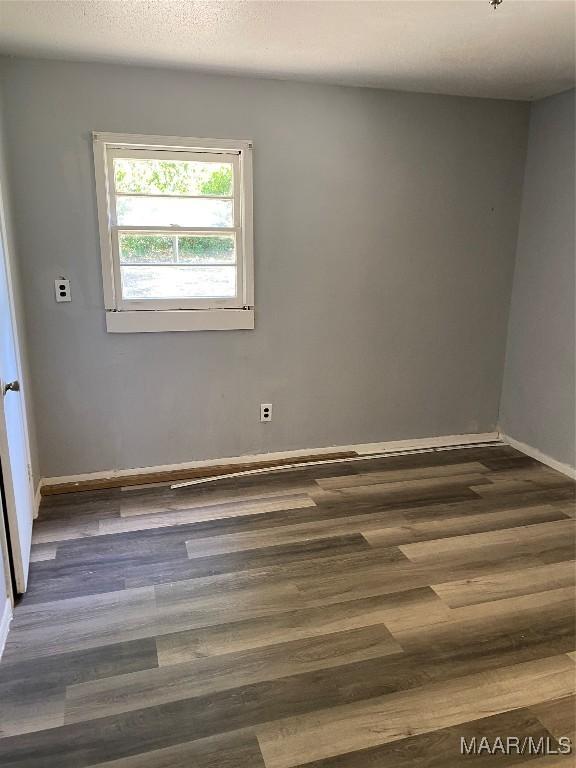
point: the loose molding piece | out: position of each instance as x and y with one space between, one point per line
172 473
534 453
301 465
5 619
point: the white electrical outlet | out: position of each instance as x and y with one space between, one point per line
62 289
265 411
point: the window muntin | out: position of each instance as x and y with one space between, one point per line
176 226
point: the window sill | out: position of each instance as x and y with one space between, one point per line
150 321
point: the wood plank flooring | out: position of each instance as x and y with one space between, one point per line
355 615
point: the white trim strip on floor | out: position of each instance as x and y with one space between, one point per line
348 459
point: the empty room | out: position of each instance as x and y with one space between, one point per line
288 384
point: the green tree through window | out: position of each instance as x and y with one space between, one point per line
172 177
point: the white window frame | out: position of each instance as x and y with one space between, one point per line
147 315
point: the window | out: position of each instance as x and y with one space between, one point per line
175 220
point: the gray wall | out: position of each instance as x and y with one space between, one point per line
538 397
385 229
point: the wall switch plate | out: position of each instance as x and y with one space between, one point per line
62 289
265 411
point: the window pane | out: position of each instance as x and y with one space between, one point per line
206 249
178 282
143 248
146 249
177 211
172 177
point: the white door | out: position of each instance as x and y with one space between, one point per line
14 448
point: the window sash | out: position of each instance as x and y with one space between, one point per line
179 303
123 303
238 153
143 154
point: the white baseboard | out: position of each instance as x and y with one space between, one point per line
423 443
5 619
393 446
534 453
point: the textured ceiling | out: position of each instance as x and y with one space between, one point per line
522 50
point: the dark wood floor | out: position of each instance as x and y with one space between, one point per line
355 615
